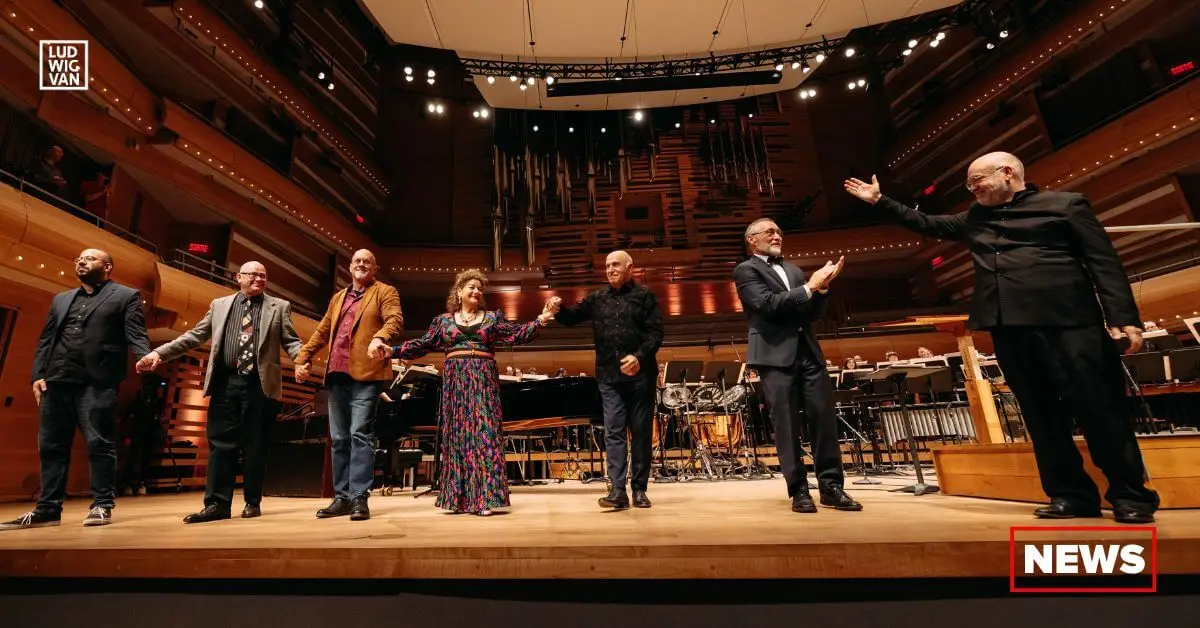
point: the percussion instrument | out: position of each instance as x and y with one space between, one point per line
675 397
722 431
707 398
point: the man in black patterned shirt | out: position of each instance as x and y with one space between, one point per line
627 328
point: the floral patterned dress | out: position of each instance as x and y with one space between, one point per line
473 475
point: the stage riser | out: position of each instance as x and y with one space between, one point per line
1009 471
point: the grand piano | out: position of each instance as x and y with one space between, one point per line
527 405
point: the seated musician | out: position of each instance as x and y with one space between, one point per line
472 472
923 352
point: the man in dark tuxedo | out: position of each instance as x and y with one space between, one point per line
81 358
782 306
1054 295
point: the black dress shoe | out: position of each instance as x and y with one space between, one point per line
1059 509
251 511
339 507
615 499
211 512
640 500
359 510
835 497
1129 514
803 502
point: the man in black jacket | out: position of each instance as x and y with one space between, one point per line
782 346
1054 295
627 330
81 358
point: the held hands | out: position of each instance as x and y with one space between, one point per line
868 192
1133 333
551 308
302 371
39 387
379 350
149 362
630 365
820 280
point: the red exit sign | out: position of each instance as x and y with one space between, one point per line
937 261
197 247
1183 68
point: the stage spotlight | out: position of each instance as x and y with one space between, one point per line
258 4
804 67
795 65
570 129
440 109
549 80
713 121
330 86
637 116
408 78
429 80
431 107
990 45
408 69
934 43
677 125
491 80
820 57
912 43
778 67
475 114
1003 34
603 130
861 82
940 36
431 74
804 94
321 75
483 113
851 85
849 52
906 51
531 81
512 78
535 128
524 87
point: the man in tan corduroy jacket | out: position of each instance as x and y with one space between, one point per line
359 327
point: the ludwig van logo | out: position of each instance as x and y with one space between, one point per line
63 65
1083 559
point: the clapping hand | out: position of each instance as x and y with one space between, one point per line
868 192
820 280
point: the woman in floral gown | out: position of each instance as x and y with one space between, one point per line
473 478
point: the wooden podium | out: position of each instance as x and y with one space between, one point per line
979 391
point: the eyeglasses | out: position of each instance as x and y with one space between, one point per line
771 231
87 258
361 262
254 275
976 179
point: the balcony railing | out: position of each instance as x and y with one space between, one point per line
22 185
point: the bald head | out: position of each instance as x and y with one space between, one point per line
252 278
995 178
618 267
363 268
93 266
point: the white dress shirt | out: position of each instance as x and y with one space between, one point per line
782 274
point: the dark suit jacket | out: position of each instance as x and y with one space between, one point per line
115 324
1041 260
780 319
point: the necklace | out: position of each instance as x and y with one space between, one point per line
467 322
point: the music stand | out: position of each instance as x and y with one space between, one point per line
683 372
408 377
899 374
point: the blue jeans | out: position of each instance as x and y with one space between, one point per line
351 408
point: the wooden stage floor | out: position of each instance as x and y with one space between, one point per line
732 529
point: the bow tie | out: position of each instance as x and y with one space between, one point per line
774 260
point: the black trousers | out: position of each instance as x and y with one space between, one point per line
240 417
783 389
1060 374
65 408
628 405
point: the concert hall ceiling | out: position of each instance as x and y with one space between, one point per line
623 31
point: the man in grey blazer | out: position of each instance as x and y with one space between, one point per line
244 382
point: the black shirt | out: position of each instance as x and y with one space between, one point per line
233 327
625 321
66 358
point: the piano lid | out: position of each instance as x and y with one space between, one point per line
555 397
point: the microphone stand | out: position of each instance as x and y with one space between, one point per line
1137 392
858 446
